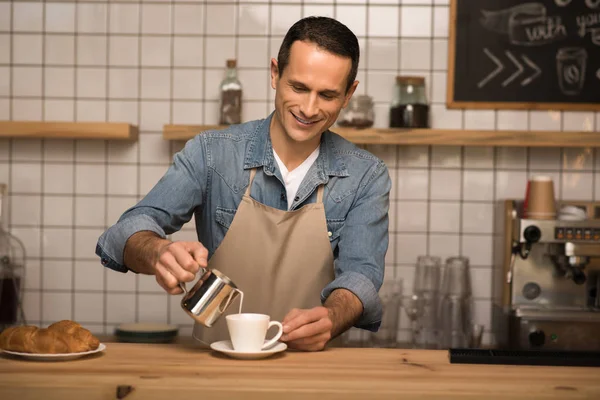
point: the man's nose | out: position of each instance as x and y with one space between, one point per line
310 106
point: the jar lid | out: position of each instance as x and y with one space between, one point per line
231 63
411 80
363 98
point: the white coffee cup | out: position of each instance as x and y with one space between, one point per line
249 331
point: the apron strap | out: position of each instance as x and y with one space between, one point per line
320 191
252 173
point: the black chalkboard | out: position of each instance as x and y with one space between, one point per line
542 54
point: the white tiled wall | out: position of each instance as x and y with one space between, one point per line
157 62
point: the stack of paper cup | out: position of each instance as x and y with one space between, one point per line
539 199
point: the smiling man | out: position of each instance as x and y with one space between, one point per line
294 214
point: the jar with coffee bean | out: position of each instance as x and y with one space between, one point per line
231 96
409 108
359 113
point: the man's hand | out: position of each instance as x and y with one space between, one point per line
307 330
170 262
179 262
310 330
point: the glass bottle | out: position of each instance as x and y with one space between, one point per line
359 113
409 108
231 96
12 271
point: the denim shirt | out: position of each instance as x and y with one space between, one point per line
210 174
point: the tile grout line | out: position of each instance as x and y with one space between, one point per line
107 174
172 69
139 155
204 37
74 202
42 185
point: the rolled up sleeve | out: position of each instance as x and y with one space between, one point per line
111 244
363 288
164 210
364 239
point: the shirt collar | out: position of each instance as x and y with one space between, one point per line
259 152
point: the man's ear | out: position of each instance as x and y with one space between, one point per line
349 94
274 73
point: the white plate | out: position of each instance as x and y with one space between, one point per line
55 357
226 347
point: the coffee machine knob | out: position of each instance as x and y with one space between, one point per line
531 290
537 338
532 234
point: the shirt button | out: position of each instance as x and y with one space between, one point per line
282 196
329 234
104 261
296 198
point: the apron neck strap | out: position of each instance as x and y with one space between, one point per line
320 191
252 173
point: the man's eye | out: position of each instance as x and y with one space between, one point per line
298 89
327 96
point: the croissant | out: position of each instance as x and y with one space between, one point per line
61 337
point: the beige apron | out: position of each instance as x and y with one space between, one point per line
279 259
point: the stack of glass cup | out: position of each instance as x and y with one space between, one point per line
422 308
456 304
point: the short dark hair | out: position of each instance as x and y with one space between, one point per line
328 34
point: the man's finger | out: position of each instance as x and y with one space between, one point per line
309 341
308 330
290 315
304 318
199 252
167 281
184 258
170 263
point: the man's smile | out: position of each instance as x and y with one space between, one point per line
303 121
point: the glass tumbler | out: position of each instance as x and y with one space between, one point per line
391 298
455 312
426 294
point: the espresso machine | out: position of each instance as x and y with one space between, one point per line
546 279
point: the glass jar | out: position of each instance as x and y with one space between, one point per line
359 113
409 108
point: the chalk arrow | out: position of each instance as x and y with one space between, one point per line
517 73
537 73
495 72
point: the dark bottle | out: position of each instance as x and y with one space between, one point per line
12 259
231 96
409 108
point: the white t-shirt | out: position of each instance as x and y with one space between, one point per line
293 178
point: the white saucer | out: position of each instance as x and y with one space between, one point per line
54 357
226 347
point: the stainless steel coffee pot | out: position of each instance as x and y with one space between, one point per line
210 296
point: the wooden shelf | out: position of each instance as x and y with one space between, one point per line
68 130
440 137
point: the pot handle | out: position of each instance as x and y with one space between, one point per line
182 284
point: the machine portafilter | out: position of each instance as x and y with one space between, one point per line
570 259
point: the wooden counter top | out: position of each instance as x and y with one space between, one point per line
174 371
